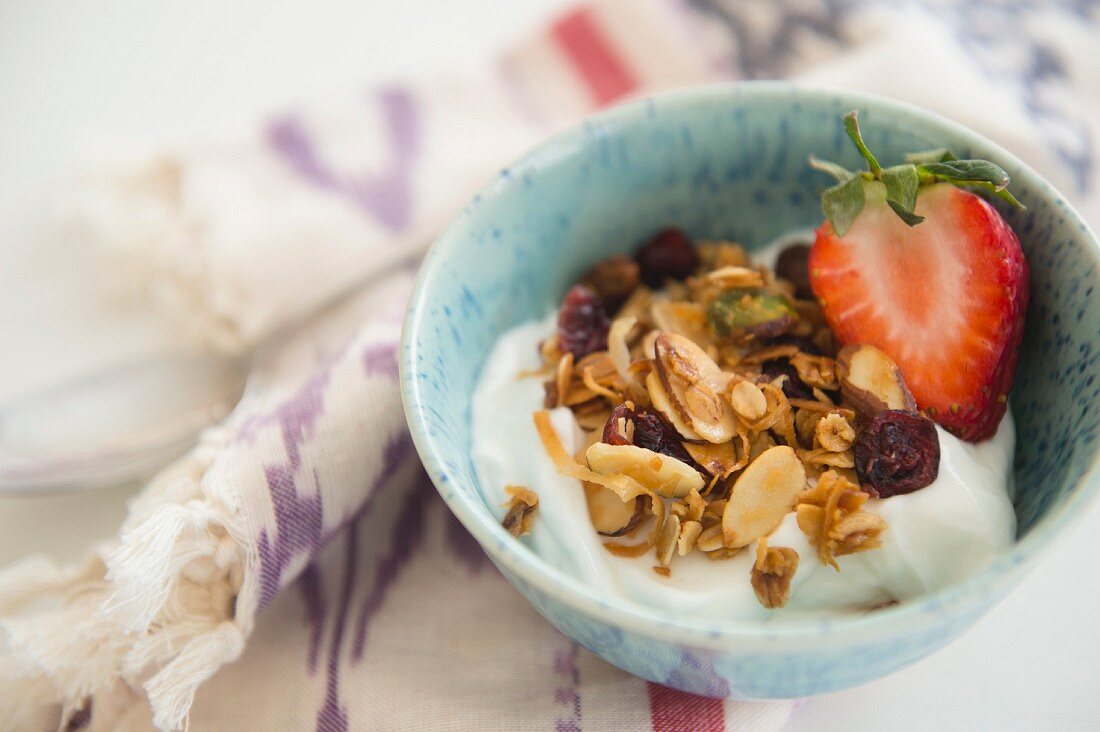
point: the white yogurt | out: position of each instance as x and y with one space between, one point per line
937 536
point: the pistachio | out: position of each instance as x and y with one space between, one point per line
871 381
664 475
763 314
763 494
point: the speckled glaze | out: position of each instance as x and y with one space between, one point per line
730 162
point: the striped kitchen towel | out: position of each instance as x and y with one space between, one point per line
296 570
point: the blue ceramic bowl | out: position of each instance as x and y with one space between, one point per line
730 162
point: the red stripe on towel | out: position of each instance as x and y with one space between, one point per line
604 72
677 711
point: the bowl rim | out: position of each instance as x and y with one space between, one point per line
520 561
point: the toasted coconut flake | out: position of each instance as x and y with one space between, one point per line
562 378
618 344
550 351
627 488
521 510
599 389
819 371
661 474
764 493
772 574
663 571
724 553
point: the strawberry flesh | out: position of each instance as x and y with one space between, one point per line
945 299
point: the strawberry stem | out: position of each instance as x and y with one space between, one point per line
843 202
851 126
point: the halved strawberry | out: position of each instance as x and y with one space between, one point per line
936 280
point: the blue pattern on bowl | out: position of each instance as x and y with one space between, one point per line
730 162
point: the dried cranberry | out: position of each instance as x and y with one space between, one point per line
613 279
612 432
651 431
793 265
582 323
668 254
793 386
896 452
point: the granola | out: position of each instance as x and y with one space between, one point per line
715 405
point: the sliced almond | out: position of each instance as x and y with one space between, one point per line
610 515
718 460
735 277
764 493
664 475
710 539
692 381
689 534
661 402
748 401
871 381
668 540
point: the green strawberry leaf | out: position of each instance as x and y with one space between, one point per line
904 214
925 157
980 174
902 182
842 174
851 126
842 203
969 170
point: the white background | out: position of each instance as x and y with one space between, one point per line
80 81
